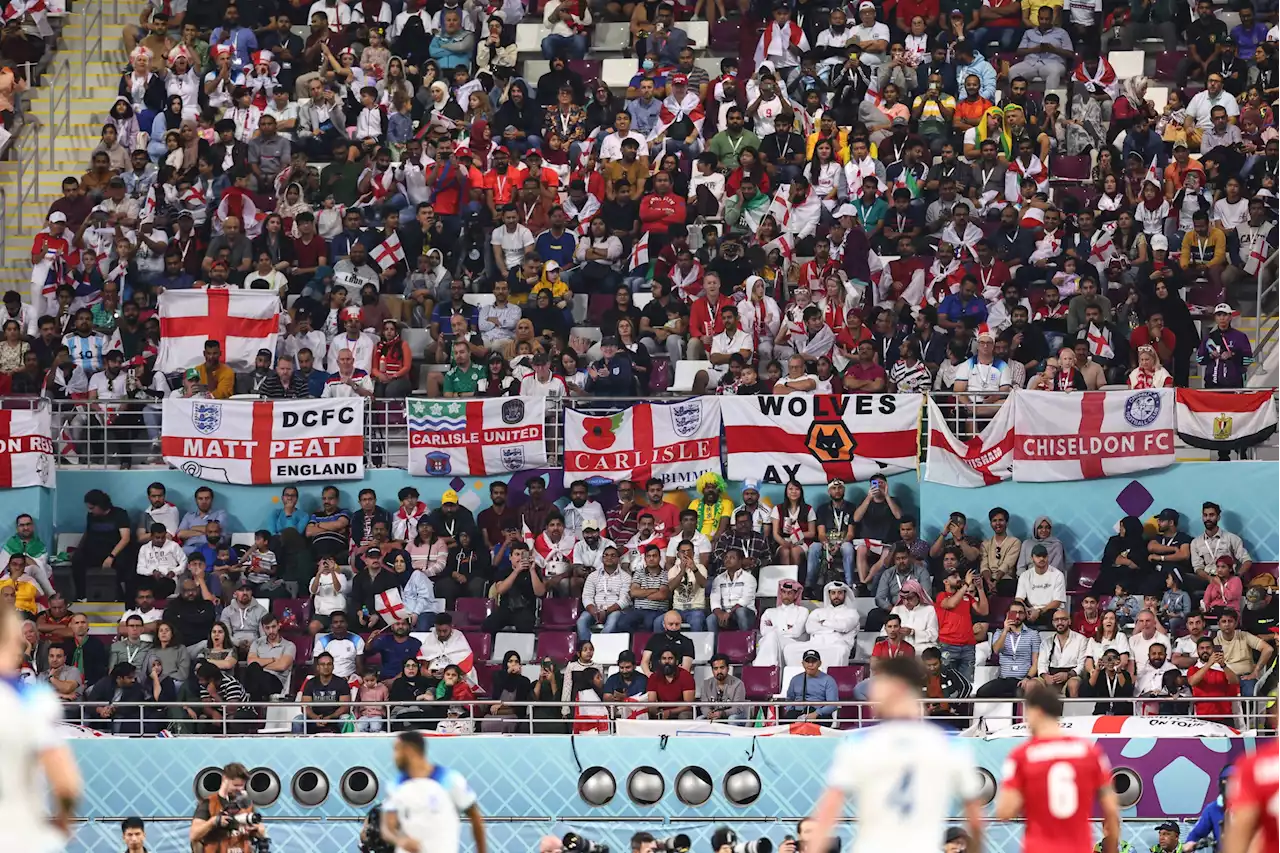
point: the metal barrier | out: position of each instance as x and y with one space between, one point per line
1249 713
126 433
27 145
60 95
92 17
1268 318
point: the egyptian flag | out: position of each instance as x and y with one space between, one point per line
1217 421
774 41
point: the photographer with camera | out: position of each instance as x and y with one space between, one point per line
225 822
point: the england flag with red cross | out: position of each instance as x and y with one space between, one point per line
241 321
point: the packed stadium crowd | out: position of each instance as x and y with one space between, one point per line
576 605
877 198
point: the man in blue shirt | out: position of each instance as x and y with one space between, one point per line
627 681
556 243
611 376
1249 33
965 307
394 648
815 690
644 109
240 39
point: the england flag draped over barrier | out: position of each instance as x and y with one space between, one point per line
676 442
983 460
476 437
1091 435
241 321
264 441
815 438
27 458
1221 421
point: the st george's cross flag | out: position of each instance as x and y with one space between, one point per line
27 457
241 321
476 438
676 442
983 460
1215 420
390 605
1091 435
640 252
389 252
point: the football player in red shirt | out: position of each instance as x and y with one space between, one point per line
1253 802
1052 780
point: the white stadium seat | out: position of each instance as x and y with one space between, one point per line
608 647
770 576
417 339
1127 63
529 37
611 37
617 73
243 538
704 645
510 641
480 300
686 371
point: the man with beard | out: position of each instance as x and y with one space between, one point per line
191 616
1062 663
1018 648
833 627
722 686
1210 677
782 625
270 662
423 811
835 536
394 648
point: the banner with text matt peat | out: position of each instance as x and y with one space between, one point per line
258 442
814 438
476 437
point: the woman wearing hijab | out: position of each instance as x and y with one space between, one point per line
411 686
992 127
547 719
1042 534
1163 299
1124 560
498 46
169 119
510 689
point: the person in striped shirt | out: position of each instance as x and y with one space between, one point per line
910 374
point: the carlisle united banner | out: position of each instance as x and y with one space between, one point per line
264 441
476 437
814 438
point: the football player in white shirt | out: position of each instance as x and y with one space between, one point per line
31 745
903 774
423 813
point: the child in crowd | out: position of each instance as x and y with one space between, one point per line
1174 605
261 567
371 718
1125 606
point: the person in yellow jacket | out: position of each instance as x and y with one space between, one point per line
1204 254
715 511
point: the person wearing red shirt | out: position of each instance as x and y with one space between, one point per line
988 270
1252 802
673 685
865 375
1210 677
502 181
666 516
662 208
956 604
449 177
1152 334
705 320
892 646
53 240
905 10
1051 780
814 273
1088 619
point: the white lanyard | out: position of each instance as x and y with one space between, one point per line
1013 642
130 654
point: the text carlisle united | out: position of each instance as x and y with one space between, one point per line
462 438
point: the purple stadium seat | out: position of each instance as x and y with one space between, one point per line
1065 167
471 612
640 639
303 643
481 643
557 645
740 646
1167 64
597 304
589 69
560 614
299 607
999 607
760 682
1082 577
847 678
484 676
1084 194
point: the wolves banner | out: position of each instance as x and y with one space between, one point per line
476 437
983 460
676 442
267 441
815 438
27 459
1091 435
1218 420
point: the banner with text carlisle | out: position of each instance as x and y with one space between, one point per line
815 438
675 442
259 442
476 437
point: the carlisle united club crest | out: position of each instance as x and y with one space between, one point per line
1142 409
206 417
513 412
686 418
438 465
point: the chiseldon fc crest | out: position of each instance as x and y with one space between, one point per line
1222 428
686 418
206 417
1142 409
